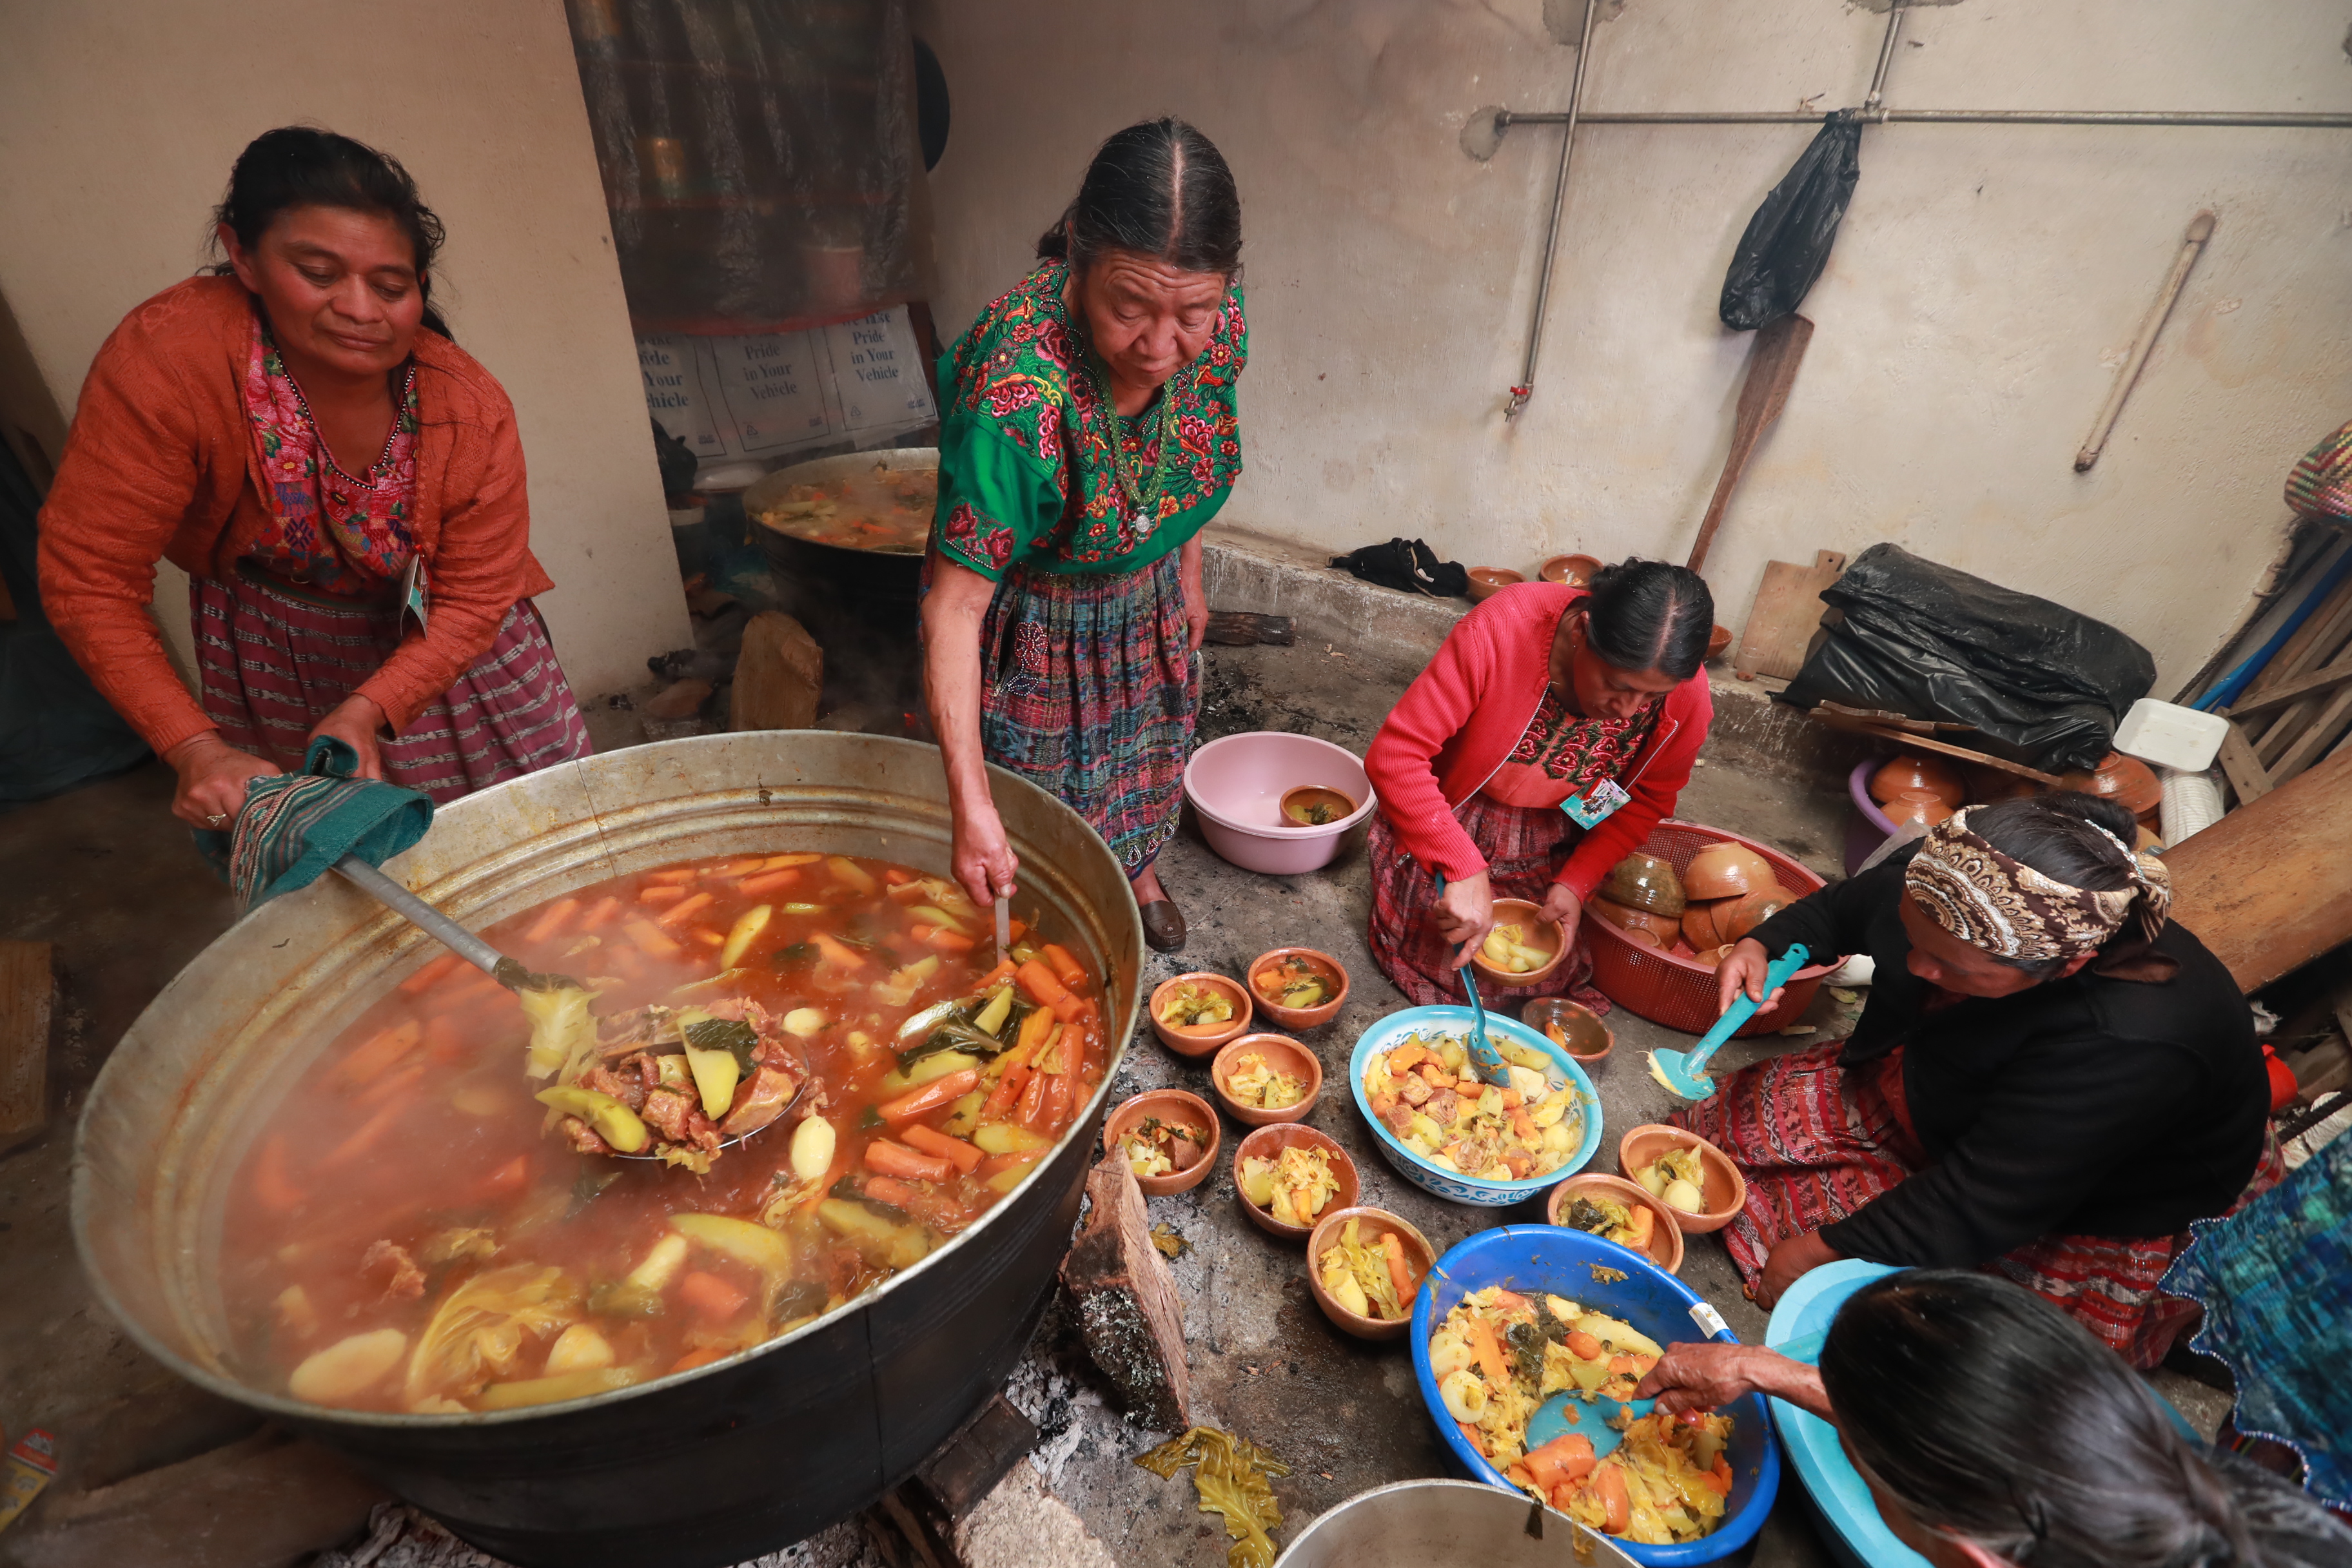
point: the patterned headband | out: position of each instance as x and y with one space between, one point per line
1993 901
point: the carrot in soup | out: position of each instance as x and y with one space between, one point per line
273 1186
710 1295
889 1158
361 1141
383 1049
946 940
554 922
766 882
1066 969
424 979
676 914
661 893
930 1141
899 1194
680 874
602 915
650 940
837 953
943 1090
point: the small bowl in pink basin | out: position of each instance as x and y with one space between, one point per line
1237 783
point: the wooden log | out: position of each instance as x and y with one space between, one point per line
778 676
2263 887
1128 1311
29 991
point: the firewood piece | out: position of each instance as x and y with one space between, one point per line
27 1001
1242 629
1128 1311
778 676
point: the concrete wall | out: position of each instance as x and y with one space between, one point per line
1986 282
119 120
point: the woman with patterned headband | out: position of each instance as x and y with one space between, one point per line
2050 1081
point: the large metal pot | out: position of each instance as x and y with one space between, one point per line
710 1467
874 586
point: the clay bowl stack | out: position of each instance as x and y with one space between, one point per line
1731 890
1644 899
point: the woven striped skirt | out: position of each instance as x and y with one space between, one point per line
272 665
1817 1140
1088 690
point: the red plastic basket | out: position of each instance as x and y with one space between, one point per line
1667 988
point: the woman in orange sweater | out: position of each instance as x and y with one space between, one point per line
343 487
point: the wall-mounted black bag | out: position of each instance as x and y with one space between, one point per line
1788 241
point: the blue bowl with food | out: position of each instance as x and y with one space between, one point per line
1435 1119
1625 1308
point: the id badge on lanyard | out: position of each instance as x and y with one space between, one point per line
414 597
1592 808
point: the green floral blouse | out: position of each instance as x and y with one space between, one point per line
1027 469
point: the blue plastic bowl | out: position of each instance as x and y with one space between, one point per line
1529 1258
1390 1033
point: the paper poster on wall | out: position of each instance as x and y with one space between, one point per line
772 395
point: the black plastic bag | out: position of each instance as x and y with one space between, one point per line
1788 241
2043 685
1409 566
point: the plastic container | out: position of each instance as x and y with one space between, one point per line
1678 990
2171 736
1236 784
2192 803
1867 828
1390 1033
1545 1258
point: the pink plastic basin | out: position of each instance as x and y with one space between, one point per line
1238 784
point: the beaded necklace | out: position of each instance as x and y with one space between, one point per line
1143 498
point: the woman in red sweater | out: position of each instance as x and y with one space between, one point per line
1550 735
343 487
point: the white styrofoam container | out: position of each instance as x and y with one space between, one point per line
2171 736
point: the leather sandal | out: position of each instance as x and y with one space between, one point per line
1163 925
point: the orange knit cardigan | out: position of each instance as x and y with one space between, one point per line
160 463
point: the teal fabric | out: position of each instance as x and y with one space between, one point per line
294 827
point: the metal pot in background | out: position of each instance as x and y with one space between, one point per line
708 1466
874 586
1416 1524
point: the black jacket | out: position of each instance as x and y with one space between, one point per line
2084 1105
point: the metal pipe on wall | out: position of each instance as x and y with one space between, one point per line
1527 382
1507 118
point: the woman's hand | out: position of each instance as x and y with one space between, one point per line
214 776
1792 1257
1196 598
357 721
1562 903
1465 914
1709 1377
1743 974
953 611
981 859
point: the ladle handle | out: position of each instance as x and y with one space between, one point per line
424 916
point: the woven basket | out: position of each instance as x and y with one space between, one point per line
1667 987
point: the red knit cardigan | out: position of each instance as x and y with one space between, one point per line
160 463
1460 719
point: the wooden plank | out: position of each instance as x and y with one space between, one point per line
1907 738
1780 622
2320 735
778 676
2315 643
28 990
1129 1312
2287 691
2242 768
2263 887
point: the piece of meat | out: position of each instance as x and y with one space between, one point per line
583 1136
1413 1091
628 1087
758 1099
1401 1117
401 1277
1443 1107
679 1119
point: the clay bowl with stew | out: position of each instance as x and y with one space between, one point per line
1487 579
1267 1144
1187 1041
1642 881
1665 1248
1725 870
1723 1187
1371 1224
1906 772
1285 1057
1265 971
1174 1107
1574 570
1535 932
1573 1028
1661 928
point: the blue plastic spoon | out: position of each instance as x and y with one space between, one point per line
1684 1072
1570 1411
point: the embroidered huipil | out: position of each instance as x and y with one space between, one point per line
1561 754
340 535
1027 471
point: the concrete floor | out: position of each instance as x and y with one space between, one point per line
107 875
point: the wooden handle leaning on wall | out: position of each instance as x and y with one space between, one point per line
1772 361
2193 245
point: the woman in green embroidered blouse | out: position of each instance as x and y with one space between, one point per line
1089 434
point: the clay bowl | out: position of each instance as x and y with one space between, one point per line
1711 957
1661 928
1420 1257
1284 1055
1486 580
1736 919
1666 1249
1642 881
1582 1035
1916 805
1574 570
1267 1144
2127 781
1908 772
1642 936
1538 932
1718 640
1725 870
1698 927
1723 1188
1205 1040
1299 806
1175 1108
1333 974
